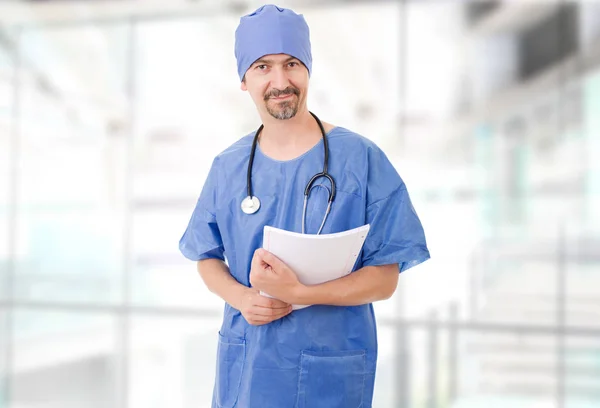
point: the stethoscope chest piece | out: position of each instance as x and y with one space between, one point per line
250 205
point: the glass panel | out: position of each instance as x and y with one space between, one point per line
430 35
161 276
501 368
64 360
386 384
510 190
68 257
4 338
175 145
591 104
6 132
71 181
452 368
581 372
172 361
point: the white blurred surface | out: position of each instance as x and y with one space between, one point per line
107 131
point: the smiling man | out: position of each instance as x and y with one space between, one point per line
324 355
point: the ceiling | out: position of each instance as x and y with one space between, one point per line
15 12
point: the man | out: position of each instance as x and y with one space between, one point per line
268 355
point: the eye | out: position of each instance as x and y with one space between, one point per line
261 67
293 63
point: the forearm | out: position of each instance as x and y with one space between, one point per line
218 280
368 284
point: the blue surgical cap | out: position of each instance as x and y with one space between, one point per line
271 30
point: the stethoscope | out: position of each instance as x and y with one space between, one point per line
251 203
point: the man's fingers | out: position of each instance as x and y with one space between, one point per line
256 319
279 313
283 306
272 303
267 311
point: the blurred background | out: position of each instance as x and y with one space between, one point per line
111 112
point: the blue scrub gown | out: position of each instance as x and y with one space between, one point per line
320 356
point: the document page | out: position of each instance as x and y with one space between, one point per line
316 258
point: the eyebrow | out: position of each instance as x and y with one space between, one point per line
270 61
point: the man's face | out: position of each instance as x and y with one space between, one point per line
277 84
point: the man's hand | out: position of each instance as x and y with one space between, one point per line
259 310
269 274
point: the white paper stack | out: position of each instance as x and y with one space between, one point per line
316 258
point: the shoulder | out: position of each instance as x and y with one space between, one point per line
366 158
238 151
241 145
353 142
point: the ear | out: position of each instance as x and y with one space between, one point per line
243 86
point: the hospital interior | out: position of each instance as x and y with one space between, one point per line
112 111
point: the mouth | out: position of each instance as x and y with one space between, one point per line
282 97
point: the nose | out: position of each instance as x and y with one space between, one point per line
279 80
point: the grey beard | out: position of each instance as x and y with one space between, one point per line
285 110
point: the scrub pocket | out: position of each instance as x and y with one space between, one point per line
331 379
230 363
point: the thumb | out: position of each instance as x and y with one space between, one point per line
269 258
257 262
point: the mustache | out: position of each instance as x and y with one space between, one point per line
277 92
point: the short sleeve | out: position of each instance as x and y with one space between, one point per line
202 238
396 235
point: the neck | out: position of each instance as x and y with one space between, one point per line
295 132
